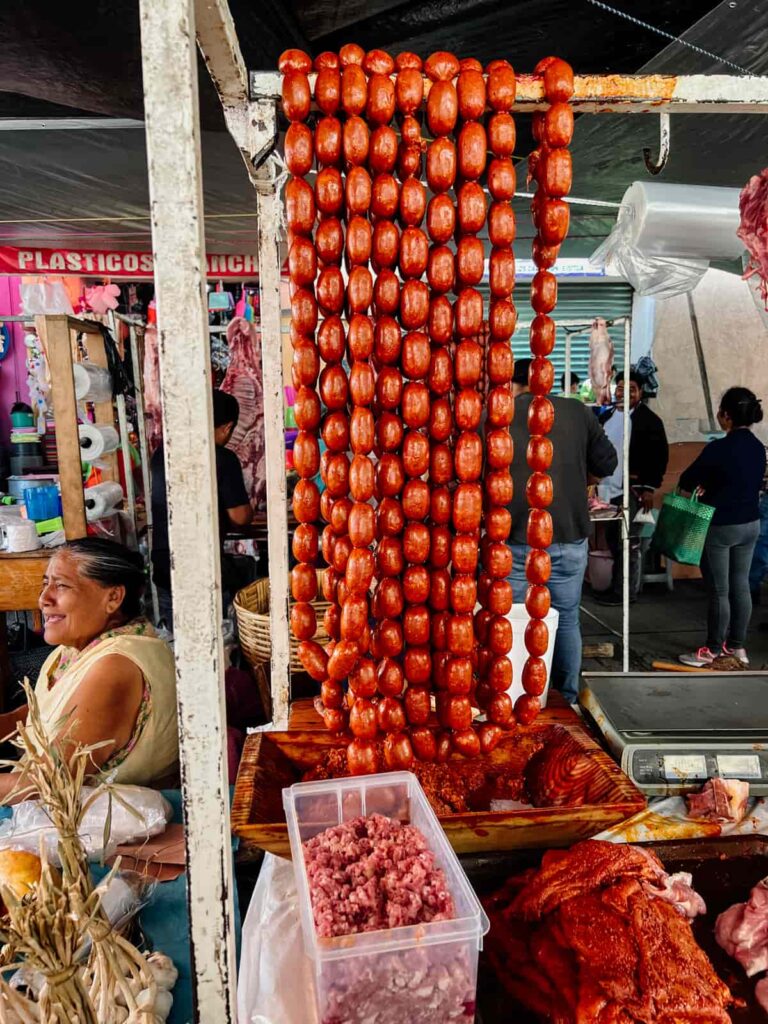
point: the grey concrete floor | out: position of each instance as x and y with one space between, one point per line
663 625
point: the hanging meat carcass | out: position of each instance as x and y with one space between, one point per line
244 381
600 360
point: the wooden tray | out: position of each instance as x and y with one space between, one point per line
272 761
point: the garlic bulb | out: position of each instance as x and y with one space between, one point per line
163 970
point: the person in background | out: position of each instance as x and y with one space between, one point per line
648 460
728 474
110 679
575 382
234 507
581 451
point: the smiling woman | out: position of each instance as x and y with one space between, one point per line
110 679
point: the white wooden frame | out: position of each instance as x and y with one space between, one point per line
173 146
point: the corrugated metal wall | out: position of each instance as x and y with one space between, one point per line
581 301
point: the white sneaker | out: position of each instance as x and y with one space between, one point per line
739 653
698 659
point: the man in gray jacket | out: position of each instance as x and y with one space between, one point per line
582 454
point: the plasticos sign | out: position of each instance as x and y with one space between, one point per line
96 263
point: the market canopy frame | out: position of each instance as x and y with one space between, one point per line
168 32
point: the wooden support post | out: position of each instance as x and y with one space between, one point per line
169 63
268 206
54 332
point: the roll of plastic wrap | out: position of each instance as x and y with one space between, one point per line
97 440
92 383
689 221
22 536
101 500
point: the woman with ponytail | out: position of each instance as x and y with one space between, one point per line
109 680
728 475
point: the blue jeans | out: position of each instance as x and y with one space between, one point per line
569 563
759 566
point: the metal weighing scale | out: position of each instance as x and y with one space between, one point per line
670 731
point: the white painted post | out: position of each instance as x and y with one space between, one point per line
169 61
626 525
268 203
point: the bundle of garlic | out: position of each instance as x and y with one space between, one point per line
49 928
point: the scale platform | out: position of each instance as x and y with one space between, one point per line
670 732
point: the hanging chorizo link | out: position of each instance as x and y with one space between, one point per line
550 165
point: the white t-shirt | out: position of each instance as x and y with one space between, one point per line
611 487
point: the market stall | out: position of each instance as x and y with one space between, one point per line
638 95
545 784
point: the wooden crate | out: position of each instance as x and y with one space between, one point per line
272 761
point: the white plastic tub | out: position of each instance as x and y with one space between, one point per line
387 976
519 618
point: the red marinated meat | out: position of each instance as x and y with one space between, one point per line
742 930
244 380
719 800
753 229
587 866
563 774
372 873
587 940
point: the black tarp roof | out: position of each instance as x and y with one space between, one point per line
65 60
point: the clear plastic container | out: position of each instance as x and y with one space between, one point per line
420 974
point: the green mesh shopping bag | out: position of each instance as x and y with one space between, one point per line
682 528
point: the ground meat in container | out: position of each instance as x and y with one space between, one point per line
371 874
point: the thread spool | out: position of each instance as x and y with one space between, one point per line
97 439
92 383
100 500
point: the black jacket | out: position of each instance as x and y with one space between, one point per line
580 449
648 447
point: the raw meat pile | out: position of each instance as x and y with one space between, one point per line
719 800
373 873
742 931
600 933
389 372
753 229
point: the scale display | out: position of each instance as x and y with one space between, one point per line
660 770
685 767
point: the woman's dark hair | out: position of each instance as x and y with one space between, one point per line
112 565
742 406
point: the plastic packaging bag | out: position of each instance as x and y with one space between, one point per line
135 813
667 818
275 981
45 295
665 236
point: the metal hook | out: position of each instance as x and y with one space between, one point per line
656 167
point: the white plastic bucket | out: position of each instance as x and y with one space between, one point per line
519 617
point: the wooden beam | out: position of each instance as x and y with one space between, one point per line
169 65
620 94
54 332
268 203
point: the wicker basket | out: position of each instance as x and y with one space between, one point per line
252 610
